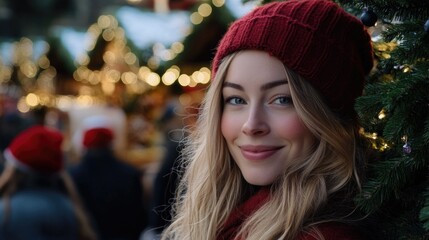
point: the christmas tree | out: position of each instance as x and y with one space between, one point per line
394 113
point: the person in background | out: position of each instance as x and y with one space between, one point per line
12 122
166 178
111 190
38 198
276 153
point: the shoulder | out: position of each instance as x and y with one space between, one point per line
40 213
43 202
332 231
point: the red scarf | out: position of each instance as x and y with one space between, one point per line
241 213
330 231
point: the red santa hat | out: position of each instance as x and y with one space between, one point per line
37 149
97 133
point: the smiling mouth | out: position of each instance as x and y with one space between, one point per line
257 153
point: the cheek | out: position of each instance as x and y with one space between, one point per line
292 128
227 125
231 125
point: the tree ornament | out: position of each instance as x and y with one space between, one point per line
368 17
406 148
426 26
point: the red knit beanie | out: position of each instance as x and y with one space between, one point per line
97 137
37 149
315 38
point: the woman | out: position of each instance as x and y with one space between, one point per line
276 153
38 198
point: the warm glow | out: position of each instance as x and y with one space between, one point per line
64 102
29 69
177 47
205 10
83 59
113 76
406 69
109 57
218 3
384 146
153 79
44 62
196 18
385 55
108 35
108 87
85 90
129 78
207 75
85 100
45 100
130 58
32 100
22 106
381 115
143 73
169 77
184 80
198 76
82 73
153 62
167 55
94 77
103 21
5 73
94 32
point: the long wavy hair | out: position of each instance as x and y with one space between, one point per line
12 178
212 184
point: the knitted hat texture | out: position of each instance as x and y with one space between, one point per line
317 39
37 149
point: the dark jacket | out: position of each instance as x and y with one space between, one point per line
112 193
38 213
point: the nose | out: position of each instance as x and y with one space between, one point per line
256 123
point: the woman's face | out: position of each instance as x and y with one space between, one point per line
259 122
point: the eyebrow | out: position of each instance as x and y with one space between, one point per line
265 86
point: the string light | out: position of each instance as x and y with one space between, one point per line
119 64
381 115
205 10
376 142
218 3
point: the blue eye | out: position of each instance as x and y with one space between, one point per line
234 101
283 100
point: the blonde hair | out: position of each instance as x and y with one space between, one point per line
10 180
212 184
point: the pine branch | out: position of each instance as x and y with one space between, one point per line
392 175
426 132
424 213
399 10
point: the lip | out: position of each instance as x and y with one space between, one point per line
259 152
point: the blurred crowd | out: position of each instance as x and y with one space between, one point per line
100 172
